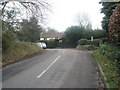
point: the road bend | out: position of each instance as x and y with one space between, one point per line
54 68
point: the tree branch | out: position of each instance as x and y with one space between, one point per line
4 5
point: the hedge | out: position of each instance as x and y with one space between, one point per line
95 42
51 43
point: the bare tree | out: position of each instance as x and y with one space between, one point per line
34 7
83 20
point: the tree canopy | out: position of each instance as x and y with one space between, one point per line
14 28
107 10
30 30
73 34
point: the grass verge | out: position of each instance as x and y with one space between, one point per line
18 50
108 65
86 47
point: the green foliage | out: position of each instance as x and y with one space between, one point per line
95 33
95 42
107 9
30 31
52 44
9 21
99 34
8 28
106 57
110 50
7 40
82 42
73 34
87 34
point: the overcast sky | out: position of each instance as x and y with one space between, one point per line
64 11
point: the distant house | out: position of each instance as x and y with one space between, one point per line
51 35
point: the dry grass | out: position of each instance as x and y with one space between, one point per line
86 47
19 50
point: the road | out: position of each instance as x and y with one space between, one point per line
54 68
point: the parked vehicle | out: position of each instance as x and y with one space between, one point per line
42 44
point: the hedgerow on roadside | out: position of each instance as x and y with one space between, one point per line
108 57
95 42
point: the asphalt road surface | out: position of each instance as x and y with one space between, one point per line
54 68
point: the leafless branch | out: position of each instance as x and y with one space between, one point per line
34 7
83 20
4 5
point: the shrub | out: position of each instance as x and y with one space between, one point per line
95 42
107 49
90 47
104 40
86 47
52 44
112 52
7 39
109 67
82 42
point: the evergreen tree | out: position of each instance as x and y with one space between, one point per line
107 10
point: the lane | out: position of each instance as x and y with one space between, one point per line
48 67
56 68
74 69
82 73
23 74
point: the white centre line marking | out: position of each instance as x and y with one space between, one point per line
63 51
48 67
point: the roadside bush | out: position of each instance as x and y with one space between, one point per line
105 56
95 42
112 52
97 34
104 40
52 44
109 50
7 39
82 42
86 47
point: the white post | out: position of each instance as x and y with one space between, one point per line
91 38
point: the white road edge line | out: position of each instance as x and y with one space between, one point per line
48 67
